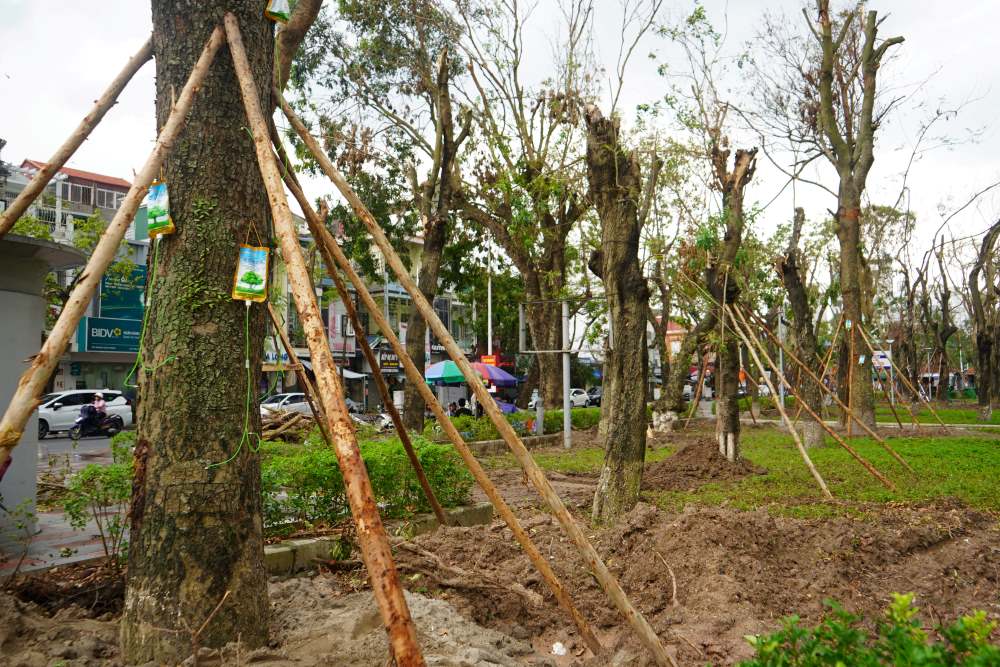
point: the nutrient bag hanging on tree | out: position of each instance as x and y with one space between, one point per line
158 220
250 282
278 10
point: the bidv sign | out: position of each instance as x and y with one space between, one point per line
105 334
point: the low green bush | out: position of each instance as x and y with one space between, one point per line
102 493
482 428
899 639
302 484
581 418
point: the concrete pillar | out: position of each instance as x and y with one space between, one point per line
23 264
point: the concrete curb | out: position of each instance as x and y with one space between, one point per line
297 555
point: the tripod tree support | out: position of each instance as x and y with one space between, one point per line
850 450
612 588
33 380
333 256
850 413
909 385
101 106
317 229
745 337
372 537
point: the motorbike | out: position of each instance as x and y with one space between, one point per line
91 423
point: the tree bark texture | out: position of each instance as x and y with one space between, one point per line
984 313
803 336
680 369
615 188
196 529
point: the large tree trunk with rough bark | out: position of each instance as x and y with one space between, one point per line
673 388
855 360
435 237
803 335
196 528
615 188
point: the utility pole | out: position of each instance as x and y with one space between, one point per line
892 380
489 302
781 352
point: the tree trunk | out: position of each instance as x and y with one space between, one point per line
857 365
803 335
673 388
615 188
984 374
435 237
196 528
727 407
530 384
545 322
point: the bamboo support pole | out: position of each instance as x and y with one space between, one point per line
850 379
317 228
590 556
909 385
334 256
697 392
850 414
300 372
372 537
101 106
781 408
33 380
850 450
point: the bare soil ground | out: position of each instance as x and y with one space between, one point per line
704 577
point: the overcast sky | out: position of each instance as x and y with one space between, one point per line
56 56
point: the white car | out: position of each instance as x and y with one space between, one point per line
58 411
289 402
578 398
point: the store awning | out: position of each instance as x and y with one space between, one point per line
346 373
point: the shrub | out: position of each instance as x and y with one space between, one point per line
303 484
102 493
899 639
581 418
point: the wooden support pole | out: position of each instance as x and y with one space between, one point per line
697 390
851 416
826 362
317 228
372 538
909 385
850 450
334 256
33 381
101 106
781 408
300 372
590 556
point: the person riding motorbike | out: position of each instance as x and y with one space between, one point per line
100 405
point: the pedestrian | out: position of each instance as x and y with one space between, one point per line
463 409
452 409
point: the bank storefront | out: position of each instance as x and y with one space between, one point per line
107 342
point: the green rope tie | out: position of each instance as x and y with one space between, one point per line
251 439
145 321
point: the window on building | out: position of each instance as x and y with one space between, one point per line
108 199
443 310
79 194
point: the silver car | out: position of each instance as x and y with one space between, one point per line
58 411
289 402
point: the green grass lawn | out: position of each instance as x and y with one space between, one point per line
966 468
949 415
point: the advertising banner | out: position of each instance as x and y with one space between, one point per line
106 334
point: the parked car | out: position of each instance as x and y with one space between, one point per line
578 398
288 402
594 396
58 411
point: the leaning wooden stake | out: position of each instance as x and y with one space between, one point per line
781 408
850 413
371 533
317 228
909 385
33 381
334 256
826 362
697 392
101 106
850 450
590 556
300 372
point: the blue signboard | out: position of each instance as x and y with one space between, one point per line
105 334
124 297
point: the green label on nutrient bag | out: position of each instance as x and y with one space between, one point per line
157 202
250 283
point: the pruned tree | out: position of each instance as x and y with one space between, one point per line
616 190
803 332
525 186
985 300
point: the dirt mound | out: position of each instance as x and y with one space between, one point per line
96 590
736 573
696 464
